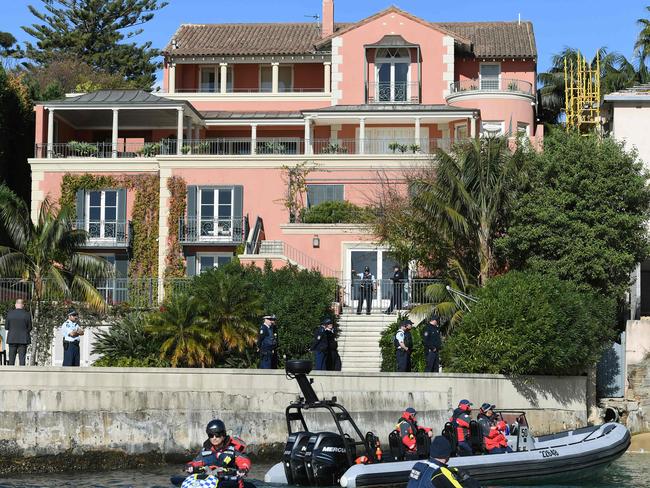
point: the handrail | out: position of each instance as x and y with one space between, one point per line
308 262
491 85
253 240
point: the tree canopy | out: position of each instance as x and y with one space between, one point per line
95 32
584 214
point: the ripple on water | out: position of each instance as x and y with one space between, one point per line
630 471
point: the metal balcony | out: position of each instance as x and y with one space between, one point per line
209 230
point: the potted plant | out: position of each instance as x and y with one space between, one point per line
393 146
402 148
513 86
150 149
82 149
186 148
415 148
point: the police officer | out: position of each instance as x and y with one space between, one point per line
72 333
398 288
367 287
320 345
432 344
403 343
333 358
267 342
440 475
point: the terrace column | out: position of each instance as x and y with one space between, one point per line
328 76
362 136
275 77
309 148
179 130
472 127
223 78
50 132
171 85
116 112
197 132
253 138
417 132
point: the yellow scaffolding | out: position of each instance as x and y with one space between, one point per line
582 94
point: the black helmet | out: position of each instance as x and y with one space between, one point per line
216 426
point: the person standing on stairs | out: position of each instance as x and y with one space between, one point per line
367 288
403 343
320 345
333 358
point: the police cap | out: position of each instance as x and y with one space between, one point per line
406 322
440 448
434 317
72 312
326 321
411 410
270 317
465 402
487 406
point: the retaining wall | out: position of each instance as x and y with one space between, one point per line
54 411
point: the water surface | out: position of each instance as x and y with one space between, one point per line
630 471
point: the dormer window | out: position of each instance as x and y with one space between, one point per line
392 74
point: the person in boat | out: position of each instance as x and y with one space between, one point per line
493 430
408 427
438 474
460 419
222 453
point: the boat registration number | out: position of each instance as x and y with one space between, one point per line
550 453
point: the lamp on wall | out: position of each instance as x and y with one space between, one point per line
315 241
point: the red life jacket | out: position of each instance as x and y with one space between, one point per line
460 419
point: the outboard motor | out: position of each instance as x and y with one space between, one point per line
396 446
423 444
326 459
476 437
451 434
293 458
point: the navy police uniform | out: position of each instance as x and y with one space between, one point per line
432 344
320 347
396 298
267 344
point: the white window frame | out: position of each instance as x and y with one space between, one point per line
393 62
501 123
230 81
102 216
480 76
214 255
270 67
215 213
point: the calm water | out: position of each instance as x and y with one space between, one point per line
631 471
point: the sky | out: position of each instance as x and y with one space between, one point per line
583 24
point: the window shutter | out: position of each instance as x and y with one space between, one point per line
190 264
81 210
192 224
121 215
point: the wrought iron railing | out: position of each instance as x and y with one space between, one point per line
396 145
105 233
216 90
386 92
211 229
386 294
492 85
254 238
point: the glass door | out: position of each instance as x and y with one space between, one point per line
216 214
381 263
101 217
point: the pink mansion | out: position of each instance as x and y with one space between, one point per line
241 103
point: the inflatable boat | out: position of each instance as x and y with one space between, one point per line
347 457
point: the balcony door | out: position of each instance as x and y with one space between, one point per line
490 76
101 216
392 75
216 214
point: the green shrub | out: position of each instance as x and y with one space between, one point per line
336 212
125 339
388 350
530 323
151 361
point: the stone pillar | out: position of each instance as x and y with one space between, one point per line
197 133
328 77
179 131
172 78
223 78
163 229
472 127
362 136
275 77
114 133
417 132
50 132
309 148
253 138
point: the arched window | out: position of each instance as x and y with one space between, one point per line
392 67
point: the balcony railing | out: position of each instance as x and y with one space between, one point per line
233 146
507 85
281 89
211 230
384 92
105 233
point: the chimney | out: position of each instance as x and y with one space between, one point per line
327 27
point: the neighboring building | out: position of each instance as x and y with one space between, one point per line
242 101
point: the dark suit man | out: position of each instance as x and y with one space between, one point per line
18 326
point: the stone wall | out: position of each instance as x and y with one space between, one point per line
133 412
638 397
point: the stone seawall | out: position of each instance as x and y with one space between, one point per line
638 397
58 414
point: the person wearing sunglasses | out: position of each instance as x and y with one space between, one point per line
221 452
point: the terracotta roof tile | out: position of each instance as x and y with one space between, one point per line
497 39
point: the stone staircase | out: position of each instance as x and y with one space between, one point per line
359 341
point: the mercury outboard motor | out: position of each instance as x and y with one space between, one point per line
326 458
293 458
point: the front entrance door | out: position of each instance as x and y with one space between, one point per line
381 264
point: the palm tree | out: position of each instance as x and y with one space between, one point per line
642 43
183 333
470 195
45 254
232 306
